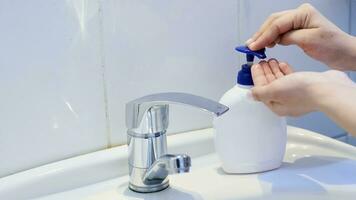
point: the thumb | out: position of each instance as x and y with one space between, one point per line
298 37
279 108
262 93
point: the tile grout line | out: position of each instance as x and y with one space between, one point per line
103 72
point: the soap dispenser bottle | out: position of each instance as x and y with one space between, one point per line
250 137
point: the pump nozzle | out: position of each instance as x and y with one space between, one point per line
250 55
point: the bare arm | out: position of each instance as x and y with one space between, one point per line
339 103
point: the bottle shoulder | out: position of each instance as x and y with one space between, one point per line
235 95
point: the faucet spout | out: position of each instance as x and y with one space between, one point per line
167 164
157 104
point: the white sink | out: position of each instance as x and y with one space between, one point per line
315 167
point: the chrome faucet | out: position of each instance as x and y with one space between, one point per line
147 122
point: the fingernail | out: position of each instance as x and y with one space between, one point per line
262 62
254 66
273 59
249 41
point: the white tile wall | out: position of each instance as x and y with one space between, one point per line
255 12
67 68
51 104
159 46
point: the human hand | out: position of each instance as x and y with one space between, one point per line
311 31
294 94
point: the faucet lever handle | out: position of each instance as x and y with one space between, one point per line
136 109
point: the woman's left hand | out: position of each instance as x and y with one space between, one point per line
294 94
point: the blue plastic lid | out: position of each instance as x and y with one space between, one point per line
251 54
244 76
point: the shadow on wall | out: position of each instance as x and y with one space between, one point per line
311 175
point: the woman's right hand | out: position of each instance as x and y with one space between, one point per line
311 31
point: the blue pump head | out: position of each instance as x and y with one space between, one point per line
244 76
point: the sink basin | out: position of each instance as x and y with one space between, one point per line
314 167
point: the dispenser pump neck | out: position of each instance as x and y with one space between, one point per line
244 76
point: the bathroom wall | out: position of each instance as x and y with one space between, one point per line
161 46
67 68
51 82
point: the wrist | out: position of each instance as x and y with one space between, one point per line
319 96
326 96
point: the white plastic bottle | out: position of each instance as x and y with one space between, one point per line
249 137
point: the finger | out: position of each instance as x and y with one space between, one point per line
298 37
278 27
265 25
275 68
276 41
285 68
258 75
261 30
268 72
271 45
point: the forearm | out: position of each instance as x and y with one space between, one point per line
339 103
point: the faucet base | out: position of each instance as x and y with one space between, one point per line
149 189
